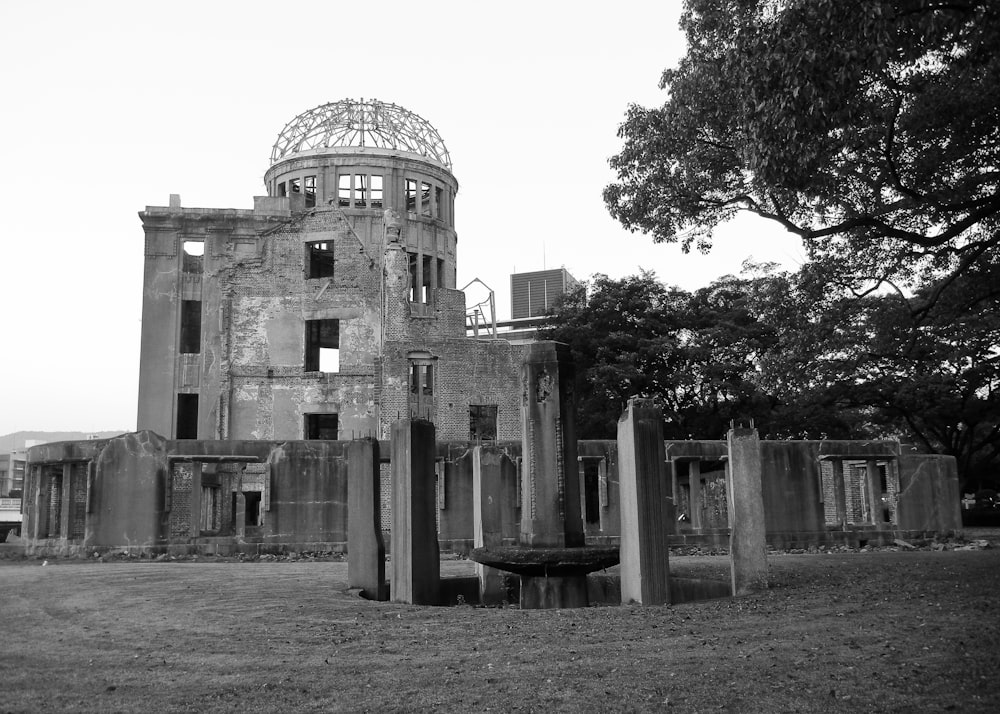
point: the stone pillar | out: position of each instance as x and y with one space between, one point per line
241 514
416 568
550 498
694 490
874 490
66 501
195 499
487 495
365 547
839 494
645 515
747 539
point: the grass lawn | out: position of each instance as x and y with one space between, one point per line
845 632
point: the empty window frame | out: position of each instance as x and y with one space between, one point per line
310 188
422 379
344 190
483 422
282 189
321 426
411 195
425 198
591 490
193 254
190 327
319 259
421 280
187 417
322 348
438 201
295 185
360 190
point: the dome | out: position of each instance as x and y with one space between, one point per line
360 124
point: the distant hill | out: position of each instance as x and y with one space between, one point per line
9 442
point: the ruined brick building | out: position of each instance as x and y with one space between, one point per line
274 336
330 309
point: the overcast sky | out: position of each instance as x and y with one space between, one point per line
111 106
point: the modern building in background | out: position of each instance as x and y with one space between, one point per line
533 294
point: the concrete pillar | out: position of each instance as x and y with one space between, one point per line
747 539
645 515
839 493
487 495
416 568
195 499
675 494
694 489
240 515
550 498
65 500
365 546
37 511
874 490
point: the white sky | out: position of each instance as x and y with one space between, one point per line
111 106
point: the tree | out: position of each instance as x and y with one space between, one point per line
624 341
695 354
871 130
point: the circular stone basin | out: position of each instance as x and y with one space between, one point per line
554 562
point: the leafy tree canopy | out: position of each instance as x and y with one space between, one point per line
871 130
800 360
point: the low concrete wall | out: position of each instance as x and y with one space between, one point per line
129 482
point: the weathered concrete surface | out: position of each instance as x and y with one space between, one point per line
415 563
550 506
747 539
365 547
127 492
645 494
929 497
487 489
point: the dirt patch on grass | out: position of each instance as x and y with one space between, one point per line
886 631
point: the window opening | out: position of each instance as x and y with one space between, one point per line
194 252
190 327
483 422
251 501
591 490
187 416
420 280
321 426
440 269
376 191
411 195
319 259
425 198
295 185
251 505
425 296
344 190
322 346
360 191
282 190
421 389
310 184
210 508
422 379
438 200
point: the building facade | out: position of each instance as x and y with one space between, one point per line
328 310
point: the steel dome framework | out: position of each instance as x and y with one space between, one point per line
360 124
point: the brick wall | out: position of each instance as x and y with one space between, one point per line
180 508
78 501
